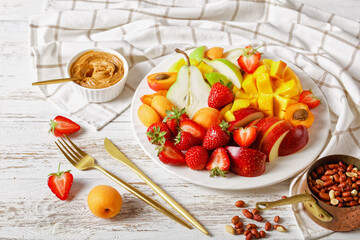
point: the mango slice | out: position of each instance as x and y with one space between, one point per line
249 84
225 109
289 74
239 104
229 116
281 104
277 69
265 102
254 101
288 89
266 62
260 70
242 94
272 88
264 83
204 68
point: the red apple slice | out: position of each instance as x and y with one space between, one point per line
246 162
253 123
268 131
270 145
262 126
294 141
244 116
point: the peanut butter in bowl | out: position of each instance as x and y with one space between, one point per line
97 69
102 71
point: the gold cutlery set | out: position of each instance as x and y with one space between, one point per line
83 161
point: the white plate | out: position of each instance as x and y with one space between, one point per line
279 170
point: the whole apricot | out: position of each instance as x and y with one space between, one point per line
148 115
104 201
206 117
160 104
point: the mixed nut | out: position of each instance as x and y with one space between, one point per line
251 230
336 184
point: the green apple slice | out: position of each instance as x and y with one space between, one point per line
177 65
198 54
227 68
233 55
215 77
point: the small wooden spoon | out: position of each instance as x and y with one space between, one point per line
61 80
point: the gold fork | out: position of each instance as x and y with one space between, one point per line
116 154
83 161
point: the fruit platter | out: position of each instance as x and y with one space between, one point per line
230 118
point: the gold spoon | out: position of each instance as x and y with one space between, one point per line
61 80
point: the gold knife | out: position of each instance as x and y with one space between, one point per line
115 153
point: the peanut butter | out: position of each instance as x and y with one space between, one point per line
97 69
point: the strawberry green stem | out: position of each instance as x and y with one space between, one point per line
53 125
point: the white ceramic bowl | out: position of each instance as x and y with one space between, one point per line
101 94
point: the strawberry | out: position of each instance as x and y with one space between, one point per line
308 98
61 125
249 60
219 163
245 136
196 157
217 136
192 127
158 132
173 118
185 140
60 183
169 154
220 95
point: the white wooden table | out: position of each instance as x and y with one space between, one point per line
28 209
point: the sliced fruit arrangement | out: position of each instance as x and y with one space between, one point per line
229 111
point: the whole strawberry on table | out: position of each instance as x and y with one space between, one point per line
229 111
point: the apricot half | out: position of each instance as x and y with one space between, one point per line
161 80
299 114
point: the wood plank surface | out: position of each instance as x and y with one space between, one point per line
28 210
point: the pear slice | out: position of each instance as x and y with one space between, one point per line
227 68
198 53
189 91
233 55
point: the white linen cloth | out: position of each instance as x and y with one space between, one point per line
322 44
